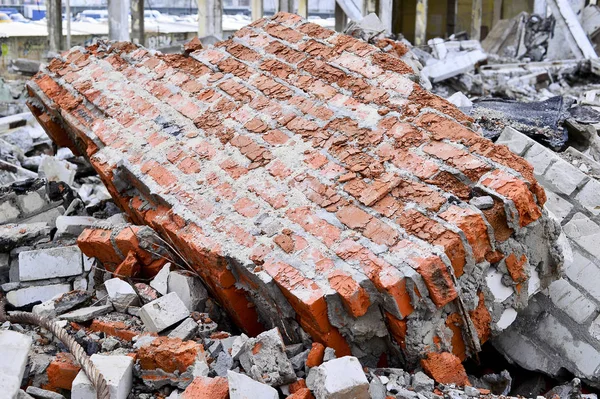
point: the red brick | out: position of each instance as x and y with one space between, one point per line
62 371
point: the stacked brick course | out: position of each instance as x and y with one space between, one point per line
312 183
560 329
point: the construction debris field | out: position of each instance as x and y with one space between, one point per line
298 212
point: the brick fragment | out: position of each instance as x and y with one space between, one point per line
445 368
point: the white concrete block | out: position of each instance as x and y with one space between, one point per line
189 288
48 263
516 141
570 300
42 293
589 196
559 207
540 157
562 177
163 312
584 233
453 65
118 372
14 352
160 281
584 356
244 387
54 169
121 294
594 329
584 272
341 378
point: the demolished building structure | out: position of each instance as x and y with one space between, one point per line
313 186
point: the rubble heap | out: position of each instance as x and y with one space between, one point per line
311 183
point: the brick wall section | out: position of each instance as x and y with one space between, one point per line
310 181
561 326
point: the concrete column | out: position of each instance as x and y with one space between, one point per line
257 9
137 21
118 20
210 18
385 12
540 7
286 5
54 21
341 19
303 8
68 12
496 12
476 19
421 23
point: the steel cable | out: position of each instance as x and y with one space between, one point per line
81 357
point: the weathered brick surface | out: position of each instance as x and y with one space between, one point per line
307 178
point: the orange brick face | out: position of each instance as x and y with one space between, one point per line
301 172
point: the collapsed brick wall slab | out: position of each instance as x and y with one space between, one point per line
311 183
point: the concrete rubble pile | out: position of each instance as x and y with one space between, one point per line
301 219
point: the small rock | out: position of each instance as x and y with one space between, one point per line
329 354
471 391
422 383
110 344
485 202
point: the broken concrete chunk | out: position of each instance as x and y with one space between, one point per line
48 263
14 350
121 294
39 393
243 387
73 225
26 296
341 378
118 372
53 169
264 359
188 288
186 330
483 203
160 282
86 314
19 235
162 313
